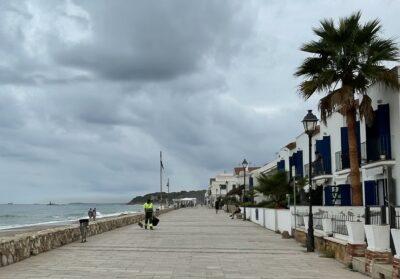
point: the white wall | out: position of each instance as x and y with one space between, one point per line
284 219
388 96
270 219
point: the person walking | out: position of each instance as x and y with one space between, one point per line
148 214
94 213
235 211
216 206
90 213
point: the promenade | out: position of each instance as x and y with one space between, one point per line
189 243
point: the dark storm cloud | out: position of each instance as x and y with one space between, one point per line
91 91
155 40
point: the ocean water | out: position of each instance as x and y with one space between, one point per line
24 215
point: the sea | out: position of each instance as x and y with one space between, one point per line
26 215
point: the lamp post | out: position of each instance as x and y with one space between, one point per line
226 195
310 124
244 164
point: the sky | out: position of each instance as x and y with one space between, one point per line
91 91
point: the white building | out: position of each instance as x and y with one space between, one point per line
222 183
378 145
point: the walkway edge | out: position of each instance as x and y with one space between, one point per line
23 246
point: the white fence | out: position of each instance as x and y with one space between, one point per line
272 219
283 219
345 223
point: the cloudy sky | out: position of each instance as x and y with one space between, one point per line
91 91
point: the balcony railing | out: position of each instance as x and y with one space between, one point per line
342 161
338 161
364 153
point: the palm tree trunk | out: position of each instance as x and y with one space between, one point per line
356 191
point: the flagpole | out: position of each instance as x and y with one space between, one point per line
167 199
161 167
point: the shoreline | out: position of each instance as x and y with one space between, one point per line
34 228
24 243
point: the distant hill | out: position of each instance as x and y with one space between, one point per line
173 195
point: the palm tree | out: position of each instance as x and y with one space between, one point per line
344 61
275 187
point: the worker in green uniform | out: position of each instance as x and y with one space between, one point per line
148 214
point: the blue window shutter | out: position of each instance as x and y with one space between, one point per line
326 153
281 165
358 139
292 160
345 195
370 192
372 134
328 196
383 119
344 137
299 164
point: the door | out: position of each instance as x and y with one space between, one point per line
370 192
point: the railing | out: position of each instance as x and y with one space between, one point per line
306 169
317 220
375 217
397 218
342 161
318 168
338 160
364 157
384 146
300 219
339 223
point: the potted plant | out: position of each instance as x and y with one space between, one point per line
396 241
327 226
378 237
355 230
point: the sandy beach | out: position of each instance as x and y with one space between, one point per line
30 229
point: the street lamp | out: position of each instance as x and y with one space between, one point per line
244 164
310 125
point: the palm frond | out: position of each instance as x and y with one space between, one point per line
366 110
334 101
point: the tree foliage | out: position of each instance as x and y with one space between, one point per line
344 61
275 186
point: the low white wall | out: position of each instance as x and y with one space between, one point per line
270 219
283 217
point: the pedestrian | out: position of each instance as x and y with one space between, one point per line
94 213
90 213
148 214
216 206
235 211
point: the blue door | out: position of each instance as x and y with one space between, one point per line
345 195
328 196
370 192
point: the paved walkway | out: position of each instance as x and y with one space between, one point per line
190 243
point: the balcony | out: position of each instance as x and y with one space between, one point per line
363 153
342 161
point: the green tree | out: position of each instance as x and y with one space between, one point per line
275 186
344 61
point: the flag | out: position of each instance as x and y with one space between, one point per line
161 163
